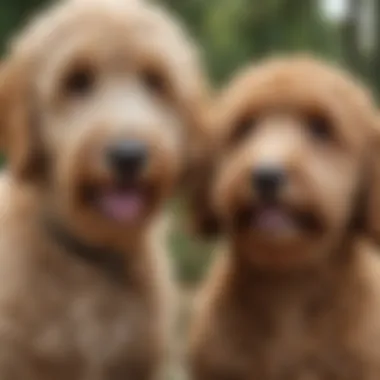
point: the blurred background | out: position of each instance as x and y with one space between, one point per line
235 32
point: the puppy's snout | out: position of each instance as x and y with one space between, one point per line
127 158
267 181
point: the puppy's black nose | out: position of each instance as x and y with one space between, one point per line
268 180
127 157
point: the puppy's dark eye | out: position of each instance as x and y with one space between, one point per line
79 82
242 128
319 128
155 82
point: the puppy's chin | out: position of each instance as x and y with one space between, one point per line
277 221
127 204
277 236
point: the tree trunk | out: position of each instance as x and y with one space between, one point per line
350 34
375 59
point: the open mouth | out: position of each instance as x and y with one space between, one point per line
276 219
123 203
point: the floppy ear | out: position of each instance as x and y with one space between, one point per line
203 219
18 122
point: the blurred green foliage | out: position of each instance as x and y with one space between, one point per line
233 33
190 255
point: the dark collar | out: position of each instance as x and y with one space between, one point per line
109 261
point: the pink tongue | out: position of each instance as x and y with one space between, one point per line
273 219
122 205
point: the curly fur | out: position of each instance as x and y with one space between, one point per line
304 305
61 318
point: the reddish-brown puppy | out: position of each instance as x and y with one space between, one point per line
295 293
101 102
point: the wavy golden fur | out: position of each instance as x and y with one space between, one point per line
295 293
84 75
